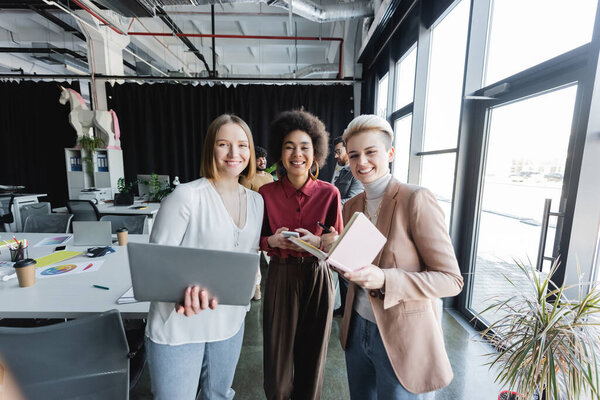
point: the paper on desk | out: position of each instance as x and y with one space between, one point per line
54 241
55 257
69 269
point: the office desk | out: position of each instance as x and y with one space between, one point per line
70 296
150 210
109 208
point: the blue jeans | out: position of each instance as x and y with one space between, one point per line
176 370
370 373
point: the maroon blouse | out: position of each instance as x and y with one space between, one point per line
299 208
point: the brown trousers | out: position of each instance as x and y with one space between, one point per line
297 313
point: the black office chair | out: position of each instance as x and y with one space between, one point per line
86 358
135 224
8 218
83 210
48 223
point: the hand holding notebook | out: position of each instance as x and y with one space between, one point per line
356 247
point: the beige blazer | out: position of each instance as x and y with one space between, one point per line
420 266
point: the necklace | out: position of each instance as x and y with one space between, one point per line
372 218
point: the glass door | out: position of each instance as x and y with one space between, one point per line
525 158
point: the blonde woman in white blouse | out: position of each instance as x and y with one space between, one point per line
201 340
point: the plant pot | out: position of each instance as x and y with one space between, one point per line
123 199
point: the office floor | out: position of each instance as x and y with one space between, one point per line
472 380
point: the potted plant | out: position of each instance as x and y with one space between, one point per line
89 144
547 343
125 195
157 190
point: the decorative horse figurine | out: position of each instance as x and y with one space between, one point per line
82 119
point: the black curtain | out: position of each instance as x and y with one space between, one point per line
163 125
34 130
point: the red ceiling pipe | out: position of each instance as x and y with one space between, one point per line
202 35
83 6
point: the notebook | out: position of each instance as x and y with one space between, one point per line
356 247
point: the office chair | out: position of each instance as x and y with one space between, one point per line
48 223
84 358
83 210
135 224
8 218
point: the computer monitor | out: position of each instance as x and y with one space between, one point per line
144 189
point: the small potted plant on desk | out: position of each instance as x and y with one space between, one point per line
548 345
125 195
157 190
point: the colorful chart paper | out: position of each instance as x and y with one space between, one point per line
58 270
69 269
54 241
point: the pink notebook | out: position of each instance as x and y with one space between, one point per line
356 247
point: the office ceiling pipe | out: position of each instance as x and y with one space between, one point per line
312 11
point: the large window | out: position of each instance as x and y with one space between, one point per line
493 154
444 84
524 33
402 147
405 79
437 174
526 156
382 97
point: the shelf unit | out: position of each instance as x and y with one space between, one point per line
107 169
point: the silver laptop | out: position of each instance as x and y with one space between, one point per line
162 273
92 233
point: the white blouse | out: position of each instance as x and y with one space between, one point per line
194 216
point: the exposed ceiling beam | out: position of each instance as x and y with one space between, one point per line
173 26
57 21
43 50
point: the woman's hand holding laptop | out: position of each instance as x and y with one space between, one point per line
195 300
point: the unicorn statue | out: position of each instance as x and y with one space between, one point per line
82 119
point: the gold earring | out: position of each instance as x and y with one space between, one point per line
316 175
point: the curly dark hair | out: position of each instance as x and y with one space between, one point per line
289 121
260 152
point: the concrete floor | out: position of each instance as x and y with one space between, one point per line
471 381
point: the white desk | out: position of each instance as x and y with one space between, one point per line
150 210
109 208
70 296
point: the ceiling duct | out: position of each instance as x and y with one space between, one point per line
53 55
325 12
131 8
304 8
316 69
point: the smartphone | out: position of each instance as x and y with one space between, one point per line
288 234
59 248
325 229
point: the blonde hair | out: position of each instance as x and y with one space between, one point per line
208 166
370 122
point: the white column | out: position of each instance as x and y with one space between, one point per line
105 51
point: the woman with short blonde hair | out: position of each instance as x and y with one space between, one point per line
390 330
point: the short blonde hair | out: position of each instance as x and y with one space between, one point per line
370 122
208 166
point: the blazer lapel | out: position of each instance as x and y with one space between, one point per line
342 174
384 220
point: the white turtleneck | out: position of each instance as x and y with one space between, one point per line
374 192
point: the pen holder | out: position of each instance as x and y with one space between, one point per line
18 254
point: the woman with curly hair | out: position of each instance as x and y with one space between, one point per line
299 295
